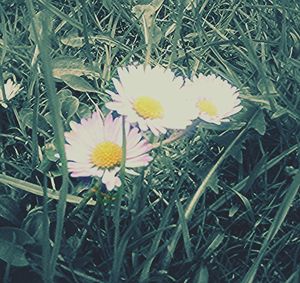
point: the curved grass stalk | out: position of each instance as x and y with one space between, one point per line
38 190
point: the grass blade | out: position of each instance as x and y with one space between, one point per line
278 220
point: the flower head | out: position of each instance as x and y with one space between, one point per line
11 90
213 99
94 148
150 97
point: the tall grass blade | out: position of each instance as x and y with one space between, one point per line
278 220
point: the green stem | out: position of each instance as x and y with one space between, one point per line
116 264
43 45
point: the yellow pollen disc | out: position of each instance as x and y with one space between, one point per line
205 106
148 107
106 155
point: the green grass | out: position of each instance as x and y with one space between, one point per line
220 204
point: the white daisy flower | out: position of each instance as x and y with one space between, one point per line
213 98
94 148
11 90
150 97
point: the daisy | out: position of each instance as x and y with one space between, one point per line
150 97
94 148
214 99
11 90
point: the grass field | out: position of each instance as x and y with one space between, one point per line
218 202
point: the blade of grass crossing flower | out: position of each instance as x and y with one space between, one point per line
276 224
200 191
43 44
34 137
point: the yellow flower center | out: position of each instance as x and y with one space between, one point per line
205 106
148 107
106 155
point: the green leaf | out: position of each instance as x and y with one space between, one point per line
9 210
266 87
246 203
145 13
74 40
38 18
51 152
217 241
42 122
12 242
78 83
156 34
202 276
69 106
213 183
233 210
33 225
84 111
69 66
259 123
64 93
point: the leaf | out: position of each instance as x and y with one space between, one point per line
217 241
246 203
237 153
64 93
213 183
12 242
259 123
9 210
280 111
42 122
145 13
78 83
156 34
84 111
233 210
74 40
69 66
38 20
202 276
266 87
33 225
69 106
51 152
170 29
